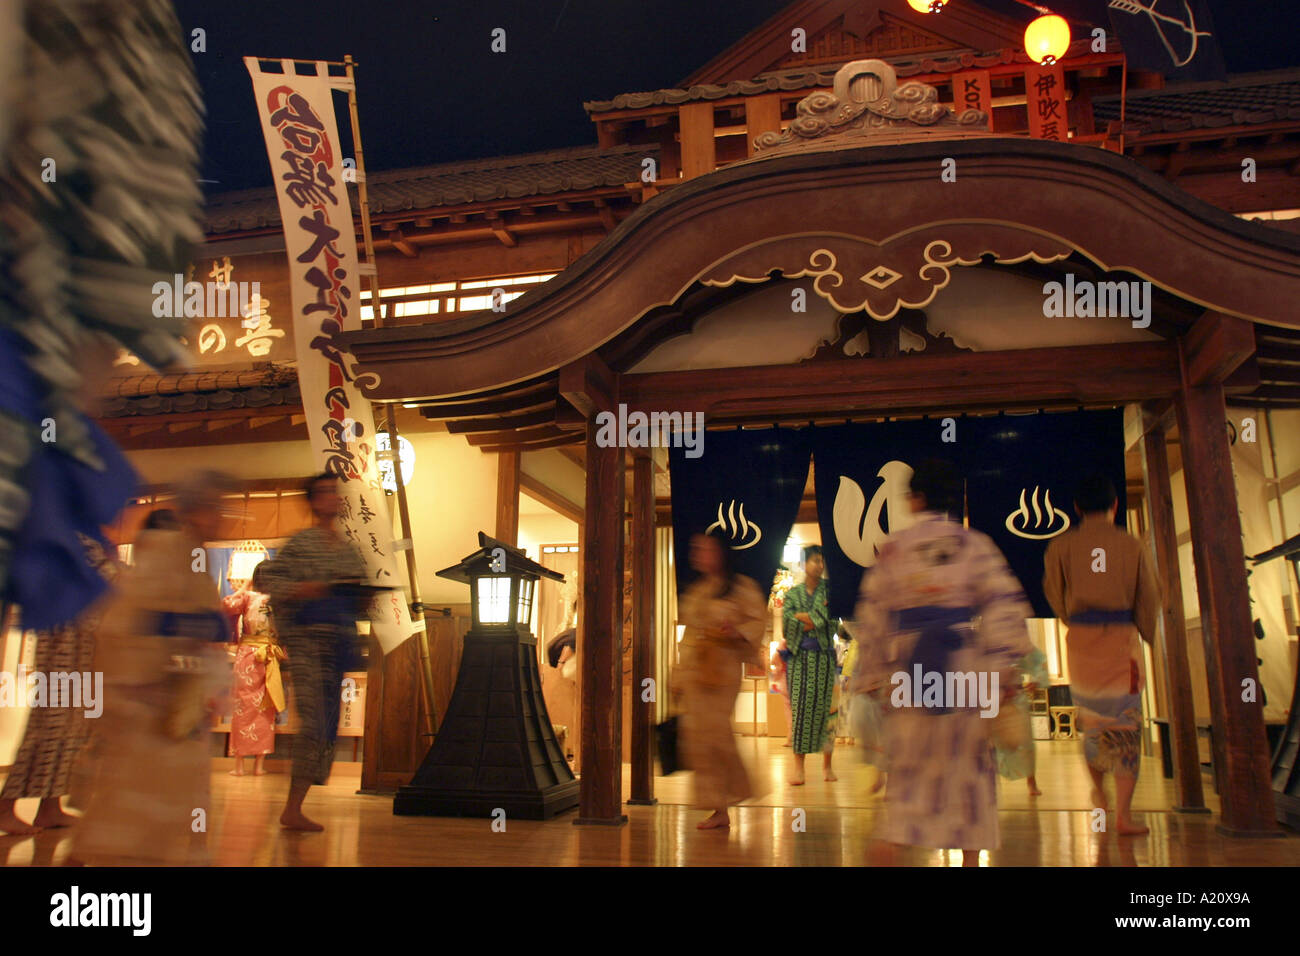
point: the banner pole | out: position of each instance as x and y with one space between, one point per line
372 273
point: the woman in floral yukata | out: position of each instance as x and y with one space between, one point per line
940 597
258 691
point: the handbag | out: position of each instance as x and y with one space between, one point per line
666 739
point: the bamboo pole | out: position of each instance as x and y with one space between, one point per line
372 273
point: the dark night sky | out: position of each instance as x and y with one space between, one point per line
430 89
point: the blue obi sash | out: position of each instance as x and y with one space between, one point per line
198 625
810 643
1101 617
939 638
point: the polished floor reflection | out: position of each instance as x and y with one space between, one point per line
818 824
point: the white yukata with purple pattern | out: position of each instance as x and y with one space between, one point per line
942 790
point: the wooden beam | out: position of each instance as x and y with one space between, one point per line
1177 160
501 232
588 384
548 496
1215 346
1241 757
508 497
297 419
183 427
600 647
218 423
403 245
523 436
1173 632
144 429
567 439
762 115
468 426
643 627
260 420
699 149
1023 378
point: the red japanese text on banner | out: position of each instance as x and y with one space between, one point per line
1045 98
302 141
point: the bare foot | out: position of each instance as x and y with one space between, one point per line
829 775
1034 791
1129 828
236 773
259 773
786 744
10 825
53 820
716 821
797 782
1099 800
299 822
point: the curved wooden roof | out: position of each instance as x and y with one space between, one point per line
1013 198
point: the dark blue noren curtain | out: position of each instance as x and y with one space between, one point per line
749 483
862 473
1042 457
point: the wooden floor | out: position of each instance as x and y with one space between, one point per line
1051 830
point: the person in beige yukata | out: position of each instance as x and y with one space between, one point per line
725 617
1099 581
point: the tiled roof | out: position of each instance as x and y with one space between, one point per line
455 184
1241 101
797 81
266 386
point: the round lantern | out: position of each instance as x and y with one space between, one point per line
926 6
1047 39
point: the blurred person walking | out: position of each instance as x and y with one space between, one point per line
160 650
58 732
725 617
258 690
1099 581
915 618
1022 761
812 665
317 623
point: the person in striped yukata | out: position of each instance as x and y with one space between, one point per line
940 598
810 669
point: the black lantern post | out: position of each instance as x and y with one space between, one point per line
496 748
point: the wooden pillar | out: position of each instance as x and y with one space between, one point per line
1173 631
643 628
601 658
762 115
699 148
508 497
1240 749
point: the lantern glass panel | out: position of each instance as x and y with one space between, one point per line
494 600
525 601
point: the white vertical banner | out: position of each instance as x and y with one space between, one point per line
302 142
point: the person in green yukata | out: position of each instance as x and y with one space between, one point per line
811 667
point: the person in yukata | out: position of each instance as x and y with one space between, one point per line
1099 581
258 692
917 610
725 617
160 647
317 625
1022 761
811 669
